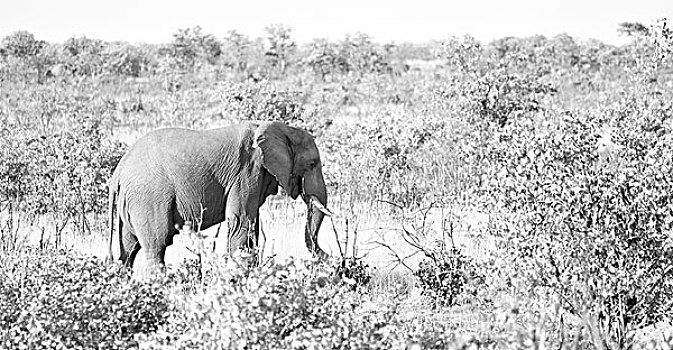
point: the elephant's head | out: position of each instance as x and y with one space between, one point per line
291 155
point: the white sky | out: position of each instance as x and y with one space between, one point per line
384 21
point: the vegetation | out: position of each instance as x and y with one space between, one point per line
528 183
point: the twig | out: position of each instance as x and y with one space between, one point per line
426 212
408 237
343 256
399 260
391 203
336 237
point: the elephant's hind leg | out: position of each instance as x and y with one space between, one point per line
154 232
130 247
150 256
150 263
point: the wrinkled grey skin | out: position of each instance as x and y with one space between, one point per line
169 175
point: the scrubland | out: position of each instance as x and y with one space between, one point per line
516 194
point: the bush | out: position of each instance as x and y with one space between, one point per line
264 101
498 97
354 272
21 57
444 277
324 59
594 230
84 56
21 44
63 174
280 306
127 60
58 300
261 101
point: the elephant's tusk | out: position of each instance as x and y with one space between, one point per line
316 202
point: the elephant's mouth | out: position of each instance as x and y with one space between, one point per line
312 199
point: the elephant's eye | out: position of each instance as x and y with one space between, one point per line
312 164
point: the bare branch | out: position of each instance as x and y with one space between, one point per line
398 259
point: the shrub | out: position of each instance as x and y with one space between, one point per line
55 299
64 174
21 57
264 101
444 276
324 59
21 44
261 101
463 53
497 97
595 231
127 60
354 272
278 306
84 56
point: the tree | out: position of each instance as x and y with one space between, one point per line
324 59
22 50
191 47
363 56
21 44
281 47
632 29
465 53
84 55
565 49
127 60
236 48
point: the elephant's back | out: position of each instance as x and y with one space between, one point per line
167 138
179 140
155 151
163 144
179 154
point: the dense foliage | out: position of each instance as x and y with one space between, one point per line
58 173
57 300
596 230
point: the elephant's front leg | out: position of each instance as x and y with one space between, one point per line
242 226
242 232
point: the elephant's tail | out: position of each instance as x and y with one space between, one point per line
114 223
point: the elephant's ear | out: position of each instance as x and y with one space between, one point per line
274 139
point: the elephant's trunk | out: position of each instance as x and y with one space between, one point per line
315 196
313 222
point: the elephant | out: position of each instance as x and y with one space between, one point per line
173 177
